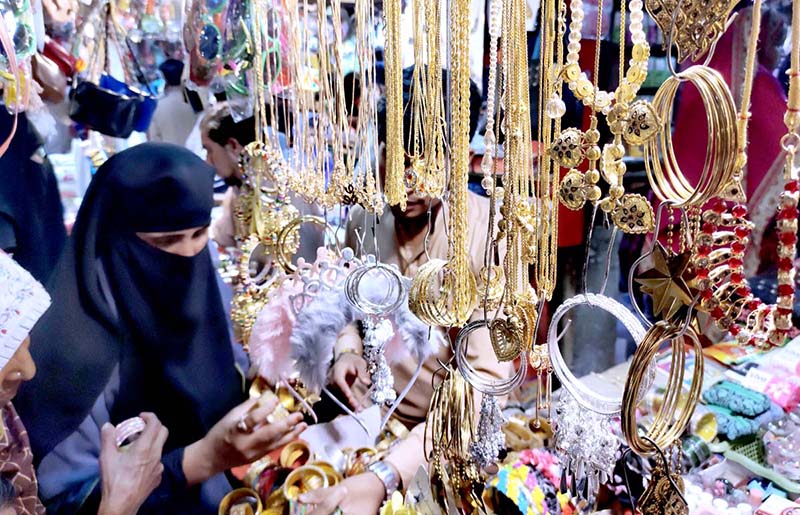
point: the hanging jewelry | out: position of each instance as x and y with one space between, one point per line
725 232
664 492
490 439
634 122
696 26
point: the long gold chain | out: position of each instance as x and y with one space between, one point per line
546 184
463 295
394 189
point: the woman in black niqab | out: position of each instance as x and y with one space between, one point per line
134 326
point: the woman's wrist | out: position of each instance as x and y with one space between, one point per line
199 462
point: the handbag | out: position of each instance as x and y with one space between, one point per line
49 76
108 105
65 61
106 111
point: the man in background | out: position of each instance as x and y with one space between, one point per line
174 117
224 139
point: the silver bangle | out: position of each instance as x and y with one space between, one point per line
387 475
583 395
394 296
485 385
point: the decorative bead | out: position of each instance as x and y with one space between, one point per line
592 176
703 250
555 107
593 153
738 247
792 186
739 211
735 263
487 183
785 289
741 231
593 193
717 313
788 225
788 213
592 135
788 200
785 264
754 304
788 238
743 291
616 192
702 273
786 251
719 206
607 205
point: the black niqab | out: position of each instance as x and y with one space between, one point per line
30 203
165 327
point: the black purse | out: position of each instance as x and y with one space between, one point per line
103 110
113 112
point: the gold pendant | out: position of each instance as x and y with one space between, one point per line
572 191
663 496
633 214
698 25
568 150
642 123
506 337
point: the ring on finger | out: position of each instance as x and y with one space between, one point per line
243 426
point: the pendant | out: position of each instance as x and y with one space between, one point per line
664 493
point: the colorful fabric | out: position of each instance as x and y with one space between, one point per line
16 463
22 302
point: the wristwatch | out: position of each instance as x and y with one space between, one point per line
387 475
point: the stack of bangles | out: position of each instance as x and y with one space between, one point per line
395 288
438 310
675 412
667 180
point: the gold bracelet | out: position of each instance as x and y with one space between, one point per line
667 179
348 350
674 413
240 502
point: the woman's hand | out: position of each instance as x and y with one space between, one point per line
131 474
241 437
348 368
357 495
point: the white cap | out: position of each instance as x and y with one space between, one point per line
23 300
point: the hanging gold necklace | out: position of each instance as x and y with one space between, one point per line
457 290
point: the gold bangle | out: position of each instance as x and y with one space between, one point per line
333 475
303 480
348 350
295 454
673 415
667 179
241 502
